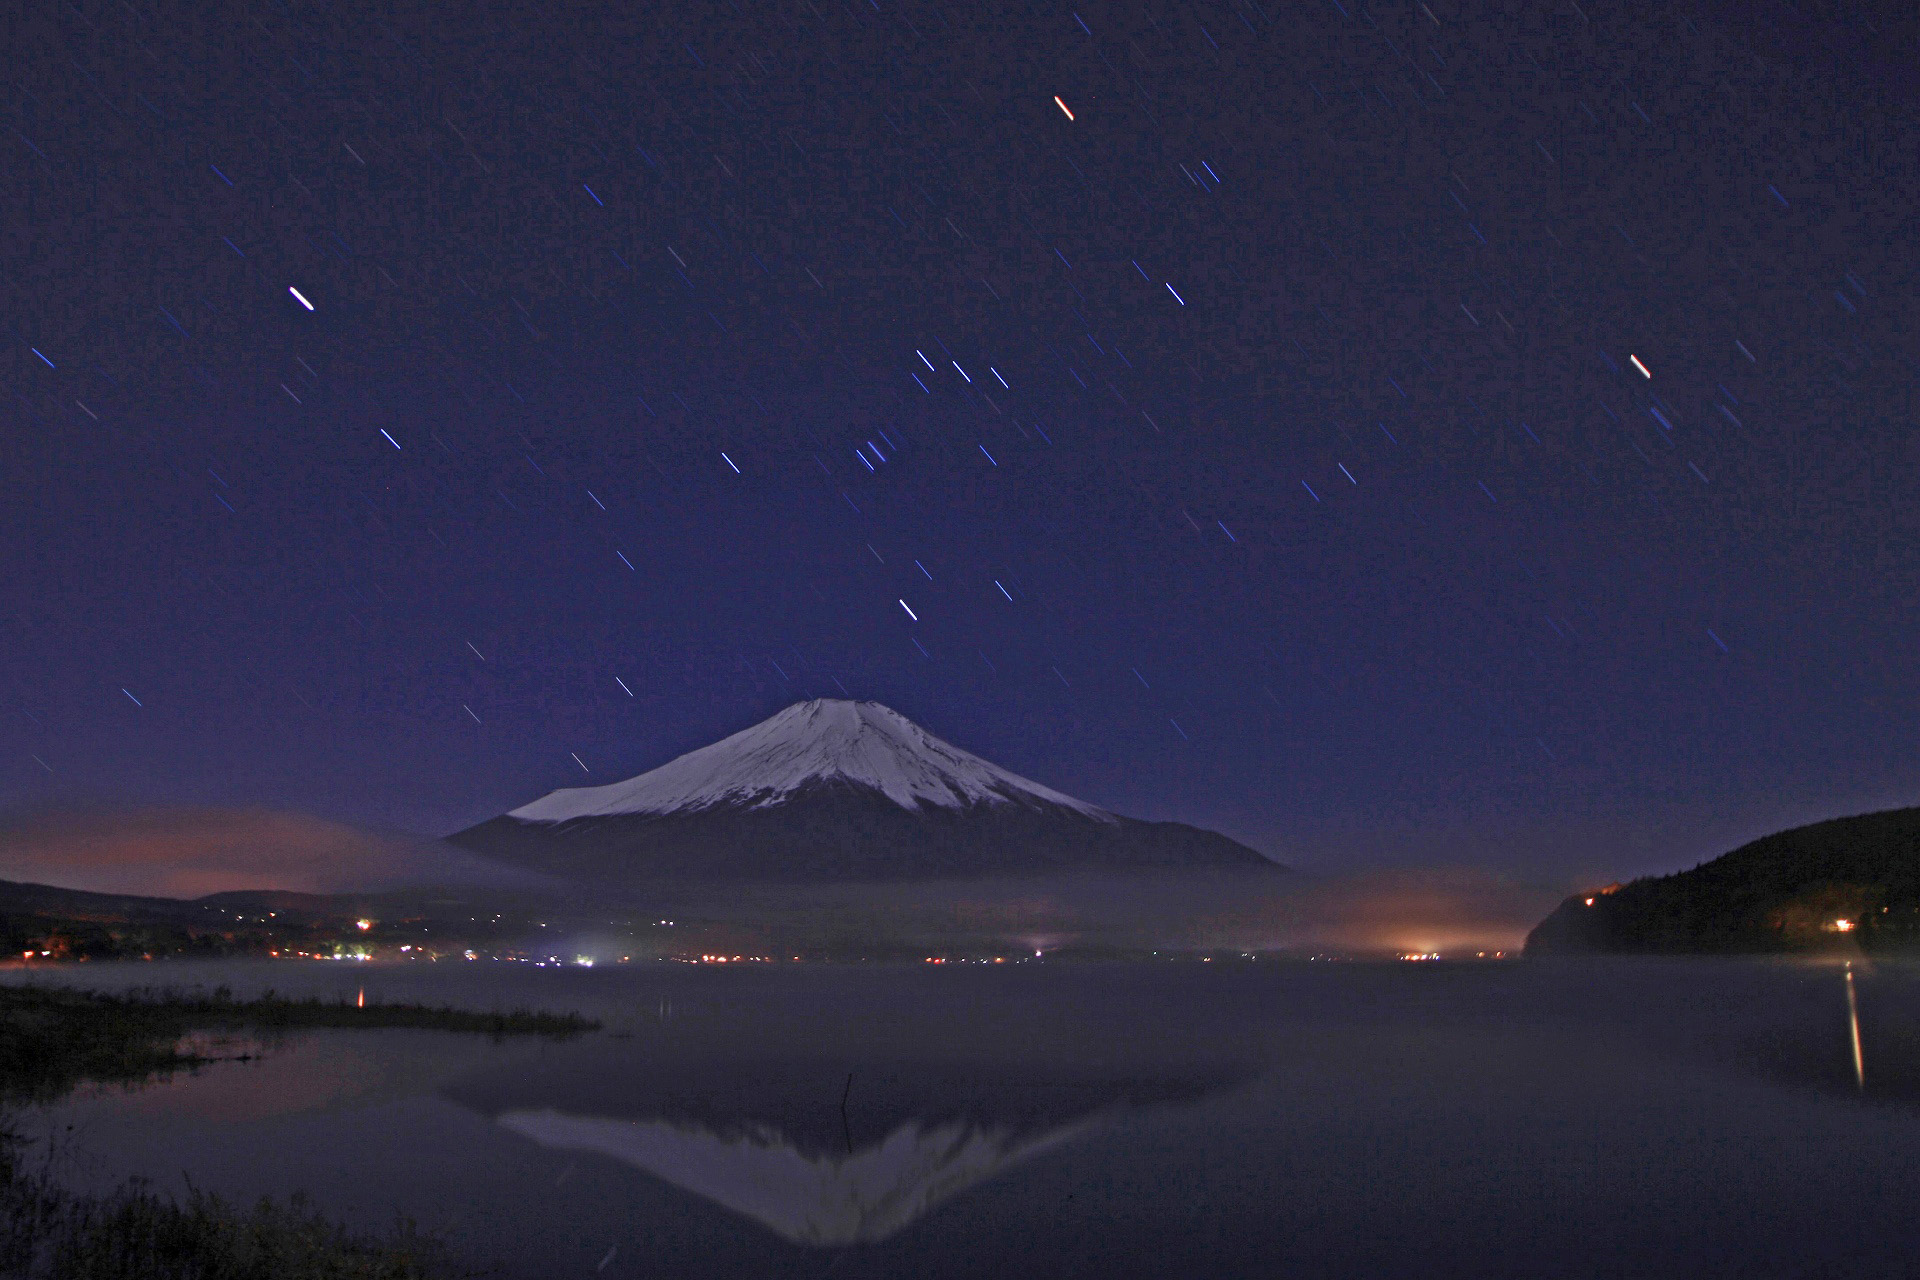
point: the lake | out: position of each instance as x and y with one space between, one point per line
1236 1118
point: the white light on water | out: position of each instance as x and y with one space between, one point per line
1853 1030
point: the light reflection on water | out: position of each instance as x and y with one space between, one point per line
820 1199
1853 1032
1617 1118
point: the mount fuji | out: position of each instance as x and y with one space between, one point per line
833 791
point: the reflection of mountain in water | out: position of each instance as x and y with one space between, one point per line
824 1199
768 1140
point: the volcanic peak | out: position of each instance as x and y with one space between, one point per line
823 742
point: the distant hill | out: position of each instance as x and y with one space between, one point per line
1845 882
52 902
40 921
47 921
829 792
22 898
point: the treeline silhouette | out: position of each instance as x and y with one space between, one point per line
1837 885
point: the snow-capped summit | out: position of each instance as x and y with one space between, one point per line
832 790
828 740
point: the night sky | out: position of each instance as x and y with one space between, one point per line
1269 445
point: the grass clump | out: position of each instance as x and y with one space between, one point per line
53 1039
134 1233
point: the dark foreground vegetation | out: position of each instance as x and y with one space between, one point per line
1849 884
47 1233
52 1040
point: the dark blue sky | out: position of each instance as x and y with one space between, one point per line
1263 446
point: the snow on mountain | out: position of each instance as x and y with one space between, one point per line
832 792
825 741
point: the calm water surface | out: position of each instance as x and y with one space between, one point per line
1630 1118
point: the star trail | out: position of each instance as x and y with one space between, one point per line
1483 426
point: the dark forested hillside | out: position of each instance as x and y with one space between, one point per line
1846 882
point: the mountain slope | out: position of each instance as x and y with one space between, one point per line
1784 892
861 744
832 791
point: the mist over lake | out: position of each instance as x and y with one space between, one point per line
1616 1117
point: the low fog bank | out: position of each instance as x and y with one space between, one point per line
1446 910
189 852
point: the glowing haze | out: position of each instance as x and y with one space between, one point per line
184 853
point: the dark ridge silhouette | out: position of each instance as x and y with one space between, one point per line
1840 884
838 832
